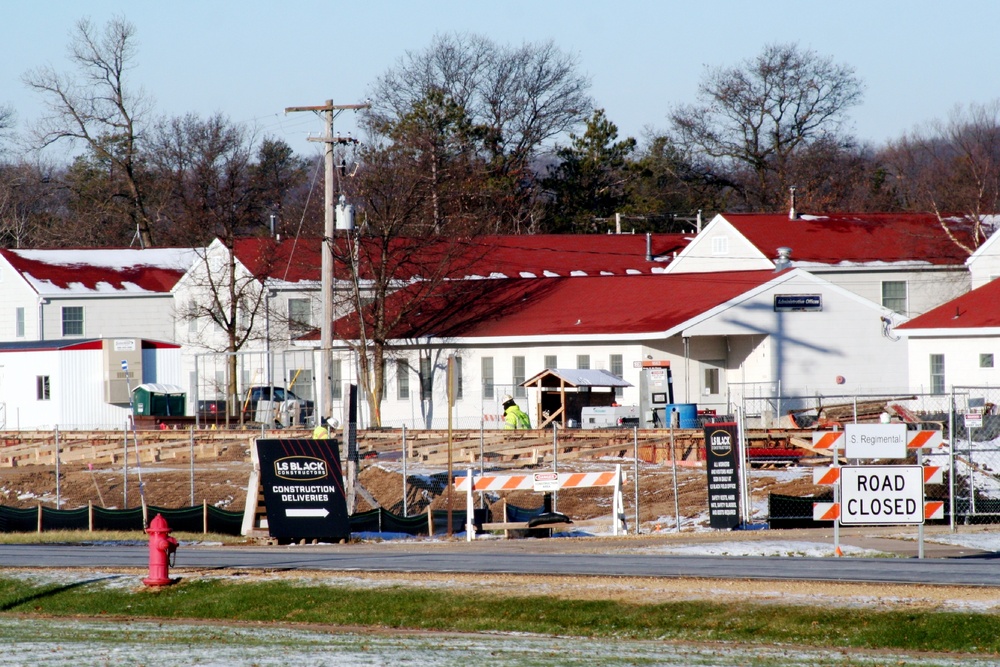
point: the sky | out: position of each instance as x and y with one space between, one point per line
251 59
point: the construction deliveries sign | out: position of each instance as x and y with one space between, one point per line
723 475
303 488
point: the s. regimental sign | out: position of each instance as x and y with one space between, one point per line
723 475
303 488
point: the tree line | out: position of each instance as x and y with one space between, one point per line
469 137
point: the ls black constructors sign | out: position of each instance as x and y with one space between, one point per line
303 487
723 475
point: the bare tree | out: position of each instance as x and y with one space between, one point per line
952 168
517 99
398 244
753 118
96 106
208 166
7 118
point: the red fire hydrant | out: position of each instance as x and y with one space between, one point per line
161 548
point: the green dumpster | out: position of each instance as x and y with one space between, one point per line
158 400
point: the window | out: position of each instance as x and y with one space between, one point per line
618 369
519 391
711 381
299 315
583 361
336 391
894 295
487 375
300 382
192 318
550 361
19 323
937 373
426 386
42 392
402 379
986 361
720 245
72 321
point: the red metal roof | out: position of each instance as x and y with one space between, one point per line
293 261
973 310
483 256
112 270
605 305
856 237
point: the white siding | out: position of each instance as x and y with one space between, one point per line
76 381
961 361
719 247
150 317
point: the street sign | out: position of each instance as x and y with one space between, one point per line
875 441
881 495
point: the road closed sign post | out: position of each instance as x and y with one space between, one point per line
882 495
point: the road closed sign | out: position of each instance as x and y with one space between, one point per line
889 495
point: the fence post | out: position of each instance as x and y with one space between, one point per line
58 488
204 517
430 522
405 455
635 441
39 517
90 516
951 458
191 433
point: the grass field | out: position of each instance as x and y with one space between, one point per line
345 609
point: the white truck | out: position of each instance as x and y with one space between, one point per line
612 416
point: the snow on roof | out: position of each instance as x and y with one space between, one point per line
81 271
853 239
491 256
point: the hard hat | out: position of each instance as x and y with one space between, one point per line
333 422
507 397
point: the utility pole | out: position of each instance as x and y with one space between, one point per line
330 111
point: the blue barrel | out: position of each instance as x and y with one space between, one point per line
687 414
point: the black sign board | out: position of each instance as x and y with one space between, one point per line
723 475
784 303
303 487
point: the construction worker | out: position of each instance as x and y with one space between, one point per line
513 416
321 432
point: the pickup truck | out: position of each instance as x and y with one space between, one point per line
215 410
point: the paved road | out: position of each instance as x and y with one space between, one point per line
976 571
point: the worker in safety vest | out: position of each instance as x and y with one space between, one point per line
321 432
513 416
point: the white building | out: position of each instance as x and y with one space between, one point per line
903 261
726 335
79 384
956 344
80 294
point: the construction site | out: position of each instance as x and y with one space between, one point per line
405 472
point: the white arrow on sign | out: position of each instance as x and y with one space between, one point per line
321 512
